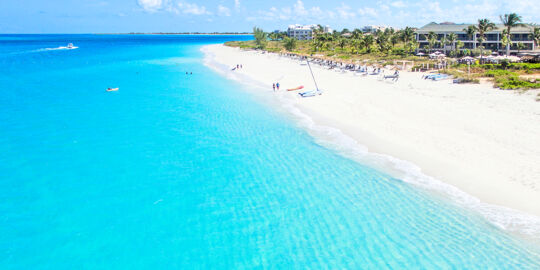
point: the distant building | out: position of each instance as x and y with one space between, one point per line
373 28
304 32
520 34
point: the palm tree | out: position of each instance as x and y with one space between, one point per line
317 31
289 43
327 40
444 42
484 26
356 33
383 41
394 39
506 40
261 38
510 21
459 45
356 45
521 46
452 38
411 46
342 42
432 40
316 45
470 31
536 36
367 42
407 34
273 36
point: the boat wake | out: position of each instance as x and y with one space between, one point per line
56 49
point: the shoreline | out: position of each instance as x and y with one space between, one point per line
471 142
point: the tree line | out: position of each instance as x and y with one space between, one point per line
397 42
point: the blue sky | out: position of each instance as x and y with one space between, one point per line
113 16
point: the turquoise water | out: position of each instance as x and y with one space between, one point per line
179 171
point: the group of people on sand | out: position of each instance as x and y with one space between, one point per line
275 86
238 66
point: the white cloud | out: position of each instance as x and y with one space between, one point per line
316 11
193 9
224 11
237 3
398 4
299 8
345 12
151 5
529 9
367 11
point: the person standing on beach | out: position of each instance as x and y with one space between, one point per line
274 87
277 86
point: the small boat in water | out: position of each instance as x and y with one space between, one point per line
112 89
70 46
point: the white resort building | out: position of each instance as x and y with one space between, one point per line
373 28
520 34
304 32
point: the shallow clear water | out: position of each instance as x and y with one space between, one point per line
190 171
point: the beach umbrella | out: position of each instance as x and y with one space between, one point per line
420 54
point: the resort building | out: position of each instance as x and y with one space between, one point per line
520 34
373 28
304 32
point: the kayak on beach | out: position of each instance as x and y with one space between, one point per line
297 88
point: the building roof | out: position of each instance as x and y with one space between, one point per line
453 27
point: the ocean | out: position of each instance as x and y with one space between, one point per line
181 170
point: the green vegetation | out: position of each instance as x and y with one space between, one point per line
536 36
289 43
513 76
510 21
484 26
499 73
514 82
349 45
384 47
261 38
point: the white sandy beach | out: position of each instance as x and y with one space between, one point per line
484 141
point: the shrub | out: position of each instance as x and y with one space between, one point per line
514 82
499 73
504 64
525 66
398 51
471 80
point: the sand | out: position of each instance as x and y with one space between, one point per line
472 139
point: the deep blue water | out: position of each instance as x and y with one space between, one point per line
179 171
